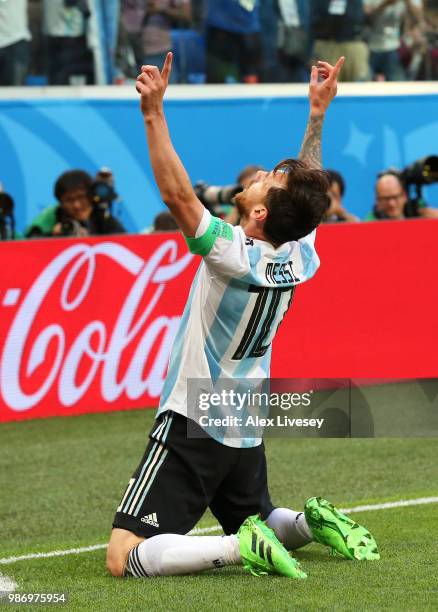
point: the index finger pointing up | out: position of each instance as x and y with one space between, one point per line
167 66
337 69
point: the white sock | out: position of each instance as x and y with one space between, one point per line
169 554
290 527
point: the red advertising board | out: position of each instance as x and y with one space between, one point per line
370 311
87 325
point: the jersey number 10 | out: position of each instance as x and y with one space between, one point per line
248 348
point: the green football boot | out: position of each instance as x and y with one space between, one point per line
262 553
339 532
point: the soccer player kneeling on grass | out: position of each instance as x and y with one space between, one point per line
222 335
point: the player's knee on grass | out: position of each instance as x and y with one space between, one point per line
121 542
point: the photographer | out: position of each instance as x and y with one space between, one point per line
80 212
337 212
393 200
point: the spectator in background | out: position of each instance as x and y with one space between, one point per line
269 18
293 40
132 14
68 55
37 49
102 36
198 9
164 222
233 41
336 211
76 214
429 67
412 47
159 17
391 198
14 42
337 29
392 201
386 19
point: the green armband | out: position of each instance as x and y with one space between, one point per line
204 244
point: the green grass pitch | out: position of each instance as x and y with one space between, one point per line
61 480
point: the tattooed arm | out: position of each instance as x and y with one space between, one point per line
322 90
311 148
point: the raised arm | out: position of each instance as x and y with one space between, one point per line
322 90
170 175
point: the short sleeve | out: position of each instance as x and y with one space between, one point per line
309 256
221 245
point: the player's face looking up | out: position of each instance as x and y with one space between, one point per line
285 204
251 201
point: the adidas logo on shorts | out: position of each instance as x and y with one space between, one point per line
151 519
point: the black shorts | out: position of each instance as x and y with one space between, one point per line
180 477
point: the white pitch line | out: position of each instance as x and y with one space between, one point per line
397 504
201 530
52 553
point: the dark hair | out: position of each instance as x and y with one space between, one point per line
165 222
335 177
294 212
70 181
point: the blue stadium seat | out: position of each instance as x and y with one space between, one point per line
36 80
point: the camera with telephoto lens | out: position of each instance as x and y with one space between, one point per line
7 219
103 195
213 197
423 171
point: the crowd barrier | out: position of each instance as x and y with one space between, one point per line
217 130
87 324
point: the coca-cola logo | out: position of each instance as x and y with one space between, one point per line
137 327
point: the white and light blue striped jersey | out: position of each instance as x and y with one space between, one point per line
237 301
